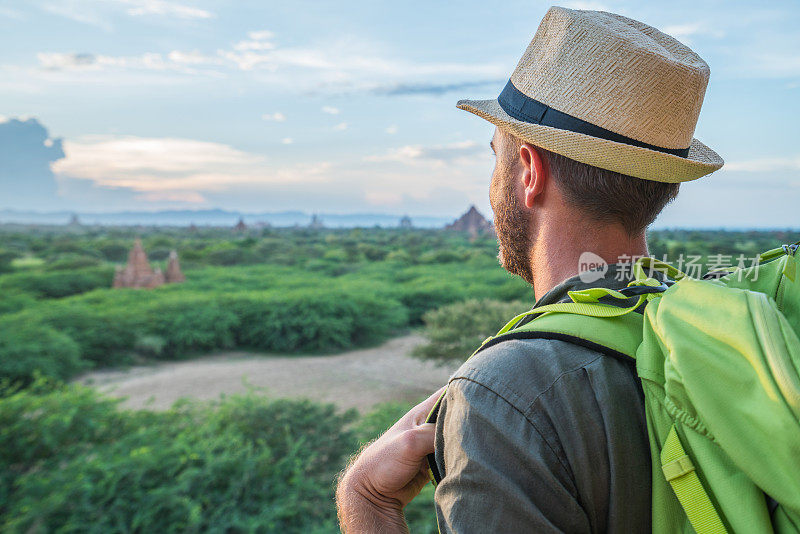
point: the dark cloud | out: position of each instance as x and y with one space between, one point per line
405 89
26 153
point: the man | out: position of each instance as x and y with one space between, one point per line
594 134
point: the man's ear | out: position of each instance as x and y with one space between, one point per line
534 175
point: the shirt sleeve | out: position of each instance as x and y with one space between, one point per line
500 474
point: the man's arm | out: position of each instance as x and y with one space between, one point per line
387 474
500 473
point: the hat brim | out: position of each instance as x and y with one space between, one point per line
619 157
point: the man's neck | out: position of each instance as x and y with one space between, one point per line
558 247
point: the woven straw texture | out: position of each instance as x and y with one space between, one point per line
621 75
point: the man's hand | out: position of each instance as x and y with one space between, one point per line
387 475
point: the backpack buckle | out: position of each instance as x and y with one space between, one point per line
790 250
677 468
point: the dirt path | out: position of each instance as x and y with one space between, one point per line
357 379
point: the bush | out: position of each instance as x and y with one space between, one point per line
29 347
104 336
13 301
313 321
69 262
48 422
456 330
6 259
58 284
191 325
244 464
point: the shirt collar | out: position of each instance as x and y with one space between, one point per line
618 276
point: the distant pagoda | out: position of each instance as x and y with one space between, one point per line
240 226
139 274
316 223
405 222
472 222
174 274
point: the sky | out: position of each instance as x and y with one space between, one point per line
347 106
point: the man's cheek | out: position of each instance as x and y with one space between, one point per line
493 191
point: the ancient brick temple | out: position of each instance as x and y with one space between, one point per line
471 222
138 273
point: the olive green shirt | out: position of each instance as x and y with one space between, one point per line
539 435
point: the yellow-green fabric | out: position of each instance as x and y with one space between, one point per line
719 362
722 363
680 472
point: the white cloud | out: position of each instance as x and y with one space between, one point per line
287 140
765 165
338 67
78 12
176 61
186 172
440 155
330 110
99 13
165 8
193 58
256 41
243 46
391 130
276 117
73 61
685 32
176 170
260 35
340 127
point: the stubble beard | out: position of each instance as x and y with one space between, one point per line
513 227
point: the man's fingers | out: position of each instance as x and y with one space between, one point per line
417 442
422 409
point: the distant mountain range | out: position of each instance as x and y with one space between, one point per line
217 217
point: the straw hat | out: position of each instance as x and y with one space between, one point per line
610 92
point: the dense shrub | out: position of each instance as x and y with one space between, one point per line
302 321
244 464
57 284
456 330
116 252
27 348
6 258
70 262
14 301
48 422
104 334
190 325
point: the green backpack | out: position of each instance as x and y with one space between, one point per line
719 363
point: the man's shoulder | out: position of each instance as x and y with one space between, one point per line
522 370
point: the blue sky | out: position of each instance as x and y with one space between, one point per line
346 106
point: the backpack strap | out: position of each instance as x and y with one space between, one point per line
615 336
607 329
680 473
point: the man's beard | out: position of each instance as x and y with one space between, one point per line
513 227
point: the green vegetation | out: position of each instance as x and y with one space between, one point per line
456 330
286 291
72 461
